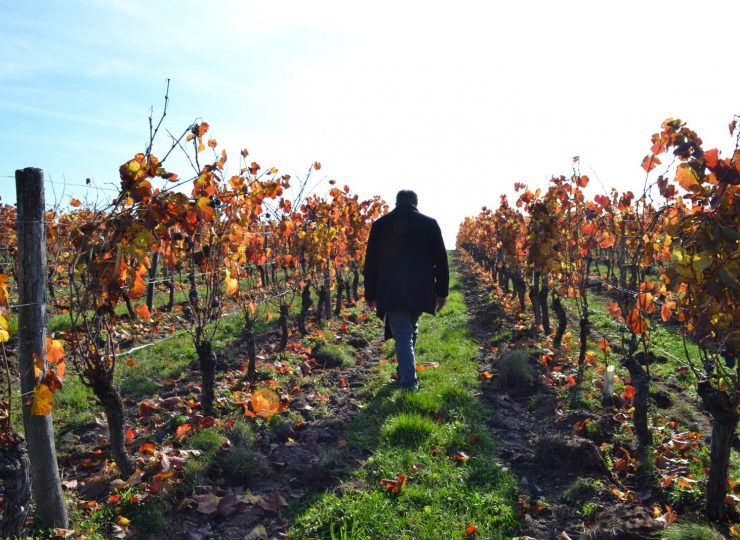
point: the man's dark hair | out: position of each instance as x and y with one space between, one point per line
406 196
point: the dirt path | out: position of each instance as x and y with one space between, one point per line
566 488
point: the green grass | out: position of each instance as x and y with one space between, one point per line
418 433
330 355
408 430
689 531
664 339
206 440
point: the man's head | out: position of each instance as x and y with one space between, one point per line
406 196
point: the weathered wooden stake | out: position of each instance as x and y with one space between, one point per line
45 482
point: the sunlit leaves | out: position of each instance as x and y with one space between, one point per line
54 350
686 177
4 290
649 162
636 322
614 309
143 312
666 311
606 240
232 285
206 210
138 287
4 329
42 400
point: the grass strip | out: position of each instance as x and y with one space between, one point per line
436 437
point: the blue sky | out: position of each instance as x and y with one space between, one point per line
455 100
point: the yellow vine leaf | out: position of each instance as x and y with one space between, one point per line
232 286
54 350
686 177
42 400
4 329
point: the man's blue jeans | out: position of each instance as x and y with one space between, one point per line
404 327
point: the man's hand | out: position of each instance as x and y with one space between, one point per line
372 304
441 301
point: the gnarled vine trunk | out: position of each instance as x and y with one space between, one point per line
534 297
321 303
129 307
724 415
640 381
112 404
544 292
583 325
327 288
306 303
283 324
557 307
356 284
207 362
340 295
348 293
248 336
521 290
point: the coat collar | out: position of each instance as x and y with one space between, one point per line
405 208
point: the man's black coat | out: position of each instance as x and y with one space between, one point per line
406 262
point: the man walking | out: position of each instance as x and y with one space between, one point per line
406 274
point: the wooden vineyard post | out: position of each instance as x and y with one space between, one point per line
45 482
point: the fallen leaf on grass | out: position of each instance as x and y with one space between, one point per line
469 531
461 456
735 531
265 403
427 365
395 486
486 375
